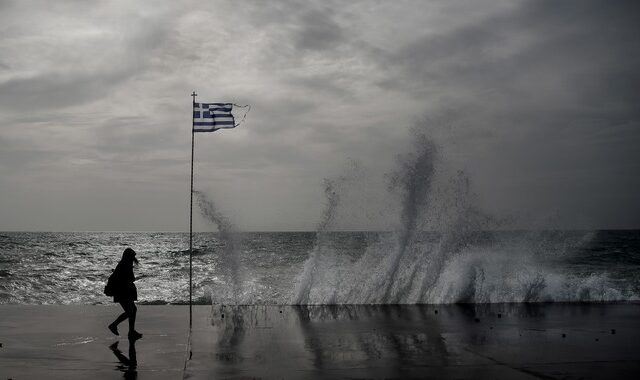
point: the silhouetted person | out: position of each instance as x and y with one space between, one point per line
125 293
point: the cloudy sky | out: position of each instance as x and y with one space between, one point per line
537 101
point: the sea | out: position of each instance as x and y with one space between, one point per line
442 246
326 267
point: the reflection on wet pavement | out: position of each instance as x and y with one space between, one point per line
382 341
129 364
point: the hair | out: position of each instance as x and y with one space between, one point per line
129 254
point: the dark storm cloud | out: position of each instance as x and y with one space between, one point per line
299 29
318 31
557 85
328 84
544 50
536 100
71 75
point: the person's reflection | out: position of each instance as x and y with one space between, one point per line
127 365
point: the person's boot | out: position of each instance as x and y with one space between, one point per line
134 335
113 328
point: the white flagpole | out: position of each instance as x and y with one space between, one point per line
193 95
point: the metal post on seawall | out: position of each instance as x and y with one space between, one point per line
193 95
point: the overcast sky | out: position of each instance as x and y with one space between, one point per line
537 101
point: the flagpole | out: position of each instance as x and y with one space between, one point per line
193 95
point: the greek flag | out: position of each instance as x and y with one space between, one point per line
209 117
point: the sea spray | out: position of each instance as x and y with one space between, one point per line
443 250
458 222
229 255
414 178
306 279
398 268
432 199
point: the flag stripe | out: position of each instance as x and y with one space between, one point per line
209 129
208 115
221 109
230 122
214 106
216 117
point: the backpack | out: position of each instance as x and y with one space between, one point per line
110 288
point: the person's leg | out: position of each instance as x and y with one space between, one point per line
114 326
132 316
133 334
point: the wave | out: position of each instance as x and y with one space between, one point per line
456 265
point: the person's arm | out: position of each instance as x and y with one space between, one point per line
141 276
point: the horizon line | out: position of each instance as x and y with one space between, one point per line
314 231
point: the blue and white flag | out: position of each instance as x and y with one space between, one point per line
209 117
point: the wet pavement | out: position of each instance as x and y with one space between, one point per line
499 341
72 342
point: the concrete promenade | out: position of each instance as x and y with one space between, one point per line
72 342
502 341
508 341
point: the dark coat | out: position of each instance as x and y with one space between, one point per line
124 289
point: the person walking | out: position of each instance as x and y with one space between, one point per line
125 293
